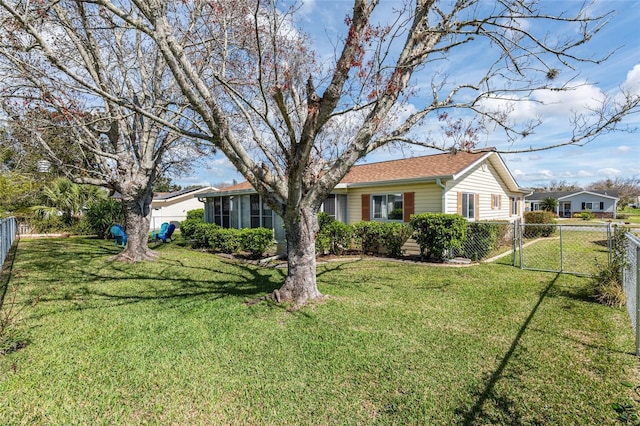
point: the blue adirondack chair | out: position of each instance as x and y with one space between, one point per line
165 232
120 236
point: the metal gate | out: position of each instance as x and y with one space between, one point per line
571 249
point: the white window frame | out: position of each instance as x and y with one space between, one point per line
495 199
466 196
384 213
514 206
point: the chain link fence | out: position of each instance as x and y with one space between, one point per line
631 281
486 240
8 229
572 249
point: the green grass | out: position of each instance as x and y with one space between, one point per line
581 252
171 342
631 216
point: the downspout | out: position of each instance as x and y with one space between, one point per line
444 194
206 204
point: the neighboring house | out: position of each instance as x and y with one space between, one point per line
602 204
476 185
172 207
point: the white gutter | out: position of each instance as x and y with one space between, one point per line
420 179
444 194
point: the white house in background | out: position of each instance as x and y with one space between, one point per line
476 185
603 204
172 207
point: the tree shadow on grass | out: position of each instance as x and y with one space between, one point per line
504 405
70 278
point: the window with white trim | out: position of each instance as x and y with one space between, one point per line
495 201
469 205
387 207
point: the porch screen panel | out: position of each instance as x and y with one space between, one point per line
254 206
217 209
226 210
267 216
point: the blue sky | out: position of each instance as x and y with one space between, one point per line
614 155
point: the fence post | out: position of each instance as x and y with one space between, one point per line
637 274
514 239
609 242
561 251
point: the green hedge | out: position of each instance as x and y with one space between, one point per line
334 237
368 236
256 241
225 240
197 214
539 224
394 235
481 238
438 234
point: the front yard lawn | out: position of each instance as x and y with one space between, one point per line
172 342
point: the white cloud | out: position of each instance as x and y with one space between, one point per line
624 148
632 83
307 8
585 173
609 171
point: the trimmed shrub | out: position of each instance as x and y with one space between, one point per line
197 214
541 224
587 215
482 237
438 234
188 227
394 236
368 236
225 240
333 238
201 233
256 241
324 220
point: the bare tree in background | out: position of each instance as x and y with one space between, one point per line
628 188
294 124
76 83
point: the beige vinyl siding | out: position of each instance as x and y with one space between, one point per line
428 198
486 182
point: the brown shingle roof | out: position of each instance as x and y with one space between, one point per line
237 187
428 166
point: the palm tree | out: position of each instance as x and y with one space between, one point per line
67 199
549 204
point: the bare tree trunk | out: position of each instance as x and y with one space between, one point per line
300 284
137 218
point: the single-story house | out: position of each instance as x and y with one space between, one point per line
602 204
477 185
172 207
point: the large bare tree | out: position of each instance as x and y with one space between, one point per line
78 84
293 124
